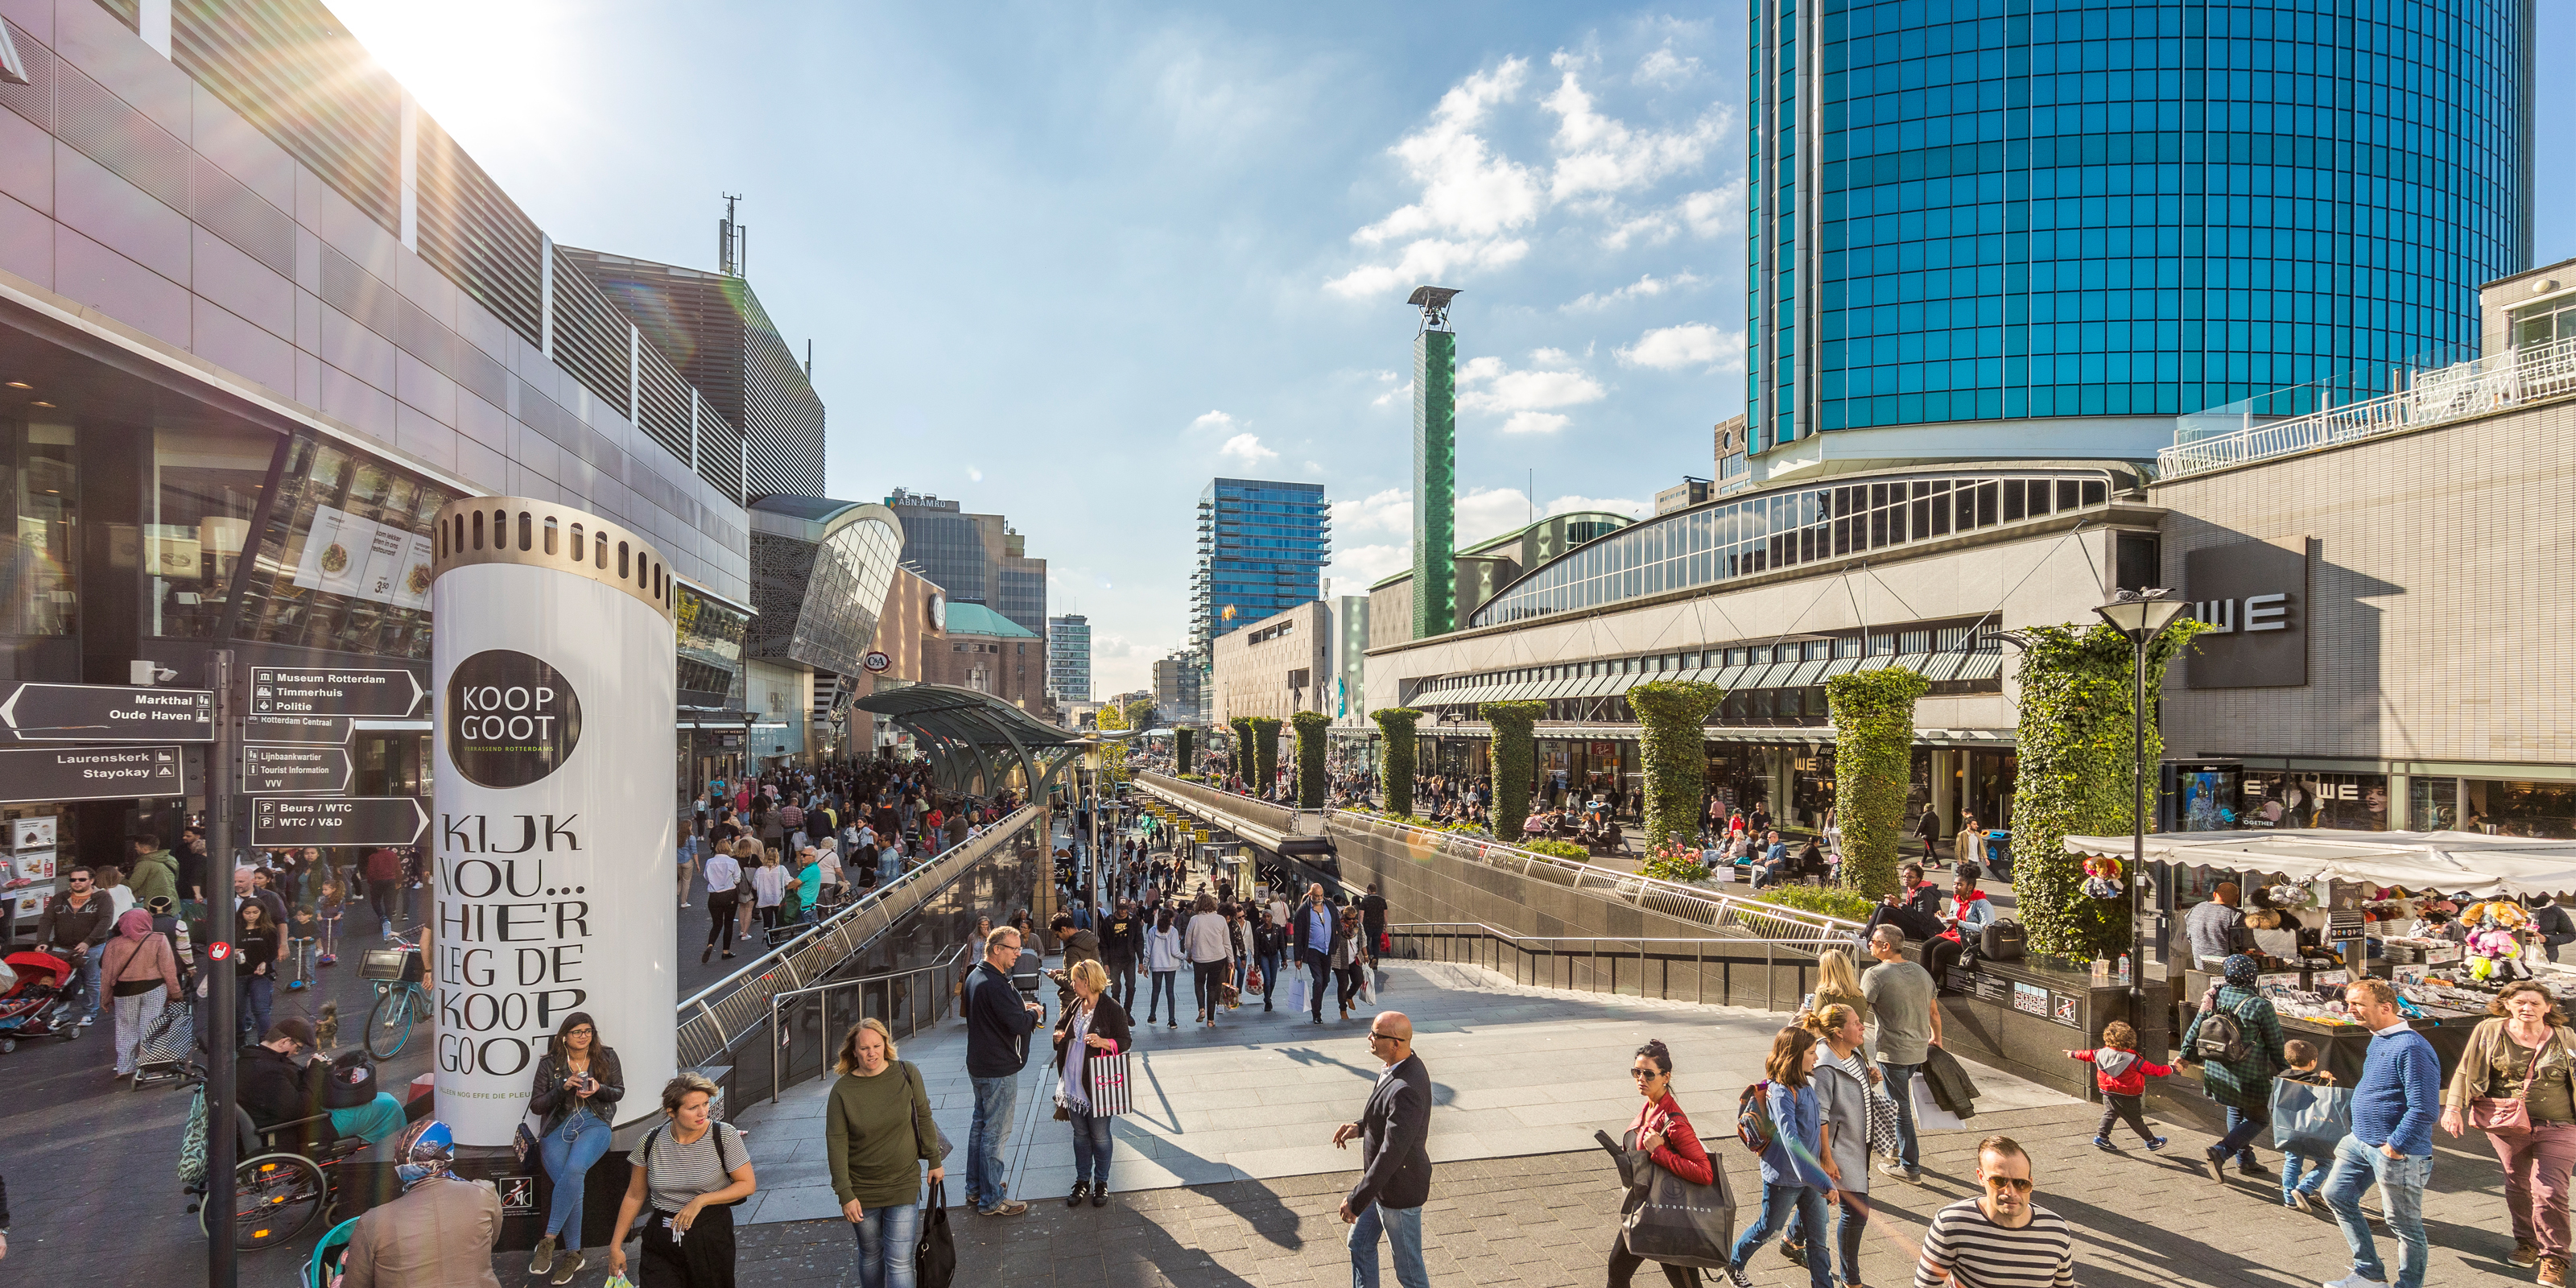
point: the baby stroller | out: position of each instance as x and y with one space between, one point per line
27 1008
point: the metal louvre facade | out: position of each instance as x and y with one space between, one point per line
780 414
290 68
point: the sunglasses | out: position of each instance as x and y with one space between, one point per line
2018 1185
1375 1036
1645 1073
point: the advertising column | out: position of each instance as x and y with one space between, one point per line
553 665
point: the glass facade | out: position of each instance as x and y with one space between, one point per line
1262 548
2008 209
1712 544
710 637
1069 657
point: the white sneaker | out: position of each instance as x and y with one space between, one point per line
2355 1280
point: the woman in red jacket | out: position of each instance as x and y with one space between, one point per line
1666 1137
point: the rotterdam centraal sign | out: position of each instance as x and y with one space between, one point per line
2254 595
554 668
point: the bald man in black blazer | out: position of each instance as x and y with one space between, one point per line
1395 1165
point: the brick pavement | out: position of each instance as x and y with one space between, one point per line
1545 1221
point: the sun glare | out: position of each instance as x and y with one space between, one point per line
498 75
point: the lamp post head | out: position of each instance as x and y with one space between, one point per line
2141 614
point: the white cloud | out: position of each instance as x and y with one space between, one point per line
1424 261
1247 448
1718 212
1215 420
1356 567
1536 422
1402 393
1692 344
1654 229
1664 67
1598 153
975 473
1645 287
1389 511
1486 513
1471 196
1527 398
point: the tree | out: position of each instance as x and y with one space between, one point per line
1673 751
1265 754
1112 753
1515 752
1873 715
1310 757
2076 770
1395 768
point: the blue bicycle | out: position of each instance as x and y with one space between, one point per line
401 1001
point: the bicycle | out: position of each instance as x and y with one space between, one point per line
401 1002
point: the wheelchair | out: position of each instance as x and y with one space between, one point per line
284 1181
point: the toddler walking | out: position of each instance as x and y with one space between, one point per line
2295 1192
2121 1073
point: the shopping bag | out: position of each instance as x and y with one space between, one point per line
2309 1120
1886 1138
1665 1218
935 1261
1108 1084
1928 1113
1368 989
1297 993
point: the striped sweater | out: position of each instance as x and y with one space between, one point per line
1978 1253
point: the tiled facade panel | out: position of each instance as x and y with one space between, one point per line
2439 609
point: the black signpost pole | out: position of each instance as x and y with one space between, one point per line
222 1268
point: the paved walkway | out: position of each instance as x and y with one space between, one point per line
1515 1071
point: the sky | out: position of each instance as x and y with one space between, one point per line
1067 263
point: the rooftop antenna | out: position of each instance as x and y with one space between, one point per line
809 359
732 239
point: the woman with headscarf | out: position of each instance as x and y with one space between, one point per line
142 975
439 1234
2243 1087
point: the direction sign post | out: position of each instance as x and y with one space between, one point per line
292 821
90 773
96 713
334 730
390 693
272 769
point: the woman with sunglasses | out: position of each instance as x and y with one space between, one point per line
1664 1135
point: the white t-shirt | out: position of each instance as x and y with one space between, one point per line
769 884
723 874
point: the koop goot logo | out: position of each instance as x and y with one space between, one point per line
512 719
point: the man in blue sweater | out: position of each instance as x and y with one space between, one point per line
2391 1144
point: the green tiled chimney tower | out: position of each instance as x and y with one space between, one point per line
1435 465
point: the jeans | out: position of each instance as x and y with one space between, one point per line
2315 1168
2535 1182
1403 1230
1317 965
1091 1147
887 1238
86 968
1122 981
577 1142
138 1012
1900 1087
1269 981
1777 1202
1161 991
1852 1222
252 1010
986 1181
2401 1186
2242 1125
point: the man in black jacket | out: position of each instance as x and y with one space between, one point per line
1119 941
998 1023
1395 1168
276 1083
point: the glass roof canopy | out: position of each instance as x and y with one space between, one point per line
976 743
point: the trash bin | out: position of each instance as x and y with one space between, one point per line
1999 854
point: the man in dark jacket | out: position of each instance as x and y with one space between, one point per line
1120 939
276 1083
75 927
1395 1168
997 1025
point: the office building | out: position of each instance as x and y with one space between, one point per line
1991 232
1262 547
989 653
1484 569
976 558
1276 667
1178 686
1069 658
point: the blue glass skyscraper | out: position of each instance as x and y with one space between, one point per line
1262 548
2000 228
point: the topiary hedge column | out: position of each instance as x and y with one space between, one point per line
1265 755
1515 754
1395 766
1873 715
1673 751
2075 774
1181 740
1310 757
1239 761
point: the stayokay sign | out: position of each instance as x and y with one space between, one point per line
553 670
2254 596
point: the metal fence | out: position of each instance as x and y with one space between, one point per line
1720 912
2437 397
806 1024
718 1017
1717 972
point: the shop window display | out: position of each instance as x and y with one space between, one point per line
39 569
205 492
344 561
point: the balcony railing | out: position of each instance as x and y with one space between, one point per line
2458 392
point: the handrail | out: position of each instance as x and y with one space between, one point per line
940 964
715 1017
2461 391
1536 956
1698 904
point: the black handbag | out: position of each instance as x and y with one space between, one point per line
934 1263
1665 1218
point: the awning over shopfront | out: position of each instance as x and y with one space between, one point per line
974 740
2471 863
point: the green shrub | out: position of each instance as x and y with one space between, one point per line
1310 757
1833 901
1265 754
1557 849
1515 751
1395 768
1182 740
1873 715
1672 749
1675 862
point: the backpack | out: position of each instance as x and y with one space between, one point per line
2222 1038
1753 1123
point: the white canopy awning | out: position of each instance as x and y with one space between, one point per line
2470 863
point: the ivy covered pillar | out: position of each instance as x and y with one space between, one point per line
1265 754
1239 761
1673 752
1873 715
1181 740
1395 764
1515 753
1310 757
2077 766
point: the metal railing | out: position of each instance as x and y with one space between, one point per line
803 1020
1698 905
2437 397
717 1016
1720 972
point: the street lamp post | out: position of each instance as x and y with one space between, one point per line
2142 615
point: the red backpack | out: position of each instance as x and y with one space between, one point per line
1753 1123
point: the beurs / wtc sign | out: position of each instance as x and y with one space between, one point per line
346 820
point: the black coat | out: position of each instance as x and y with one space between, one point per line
1395 1168
996 1023
548 1100
1108 1020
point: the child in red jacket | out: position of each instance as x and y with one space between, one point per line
2122 1075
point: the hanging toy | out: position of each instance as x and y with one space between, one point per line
2102 877
2495 949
